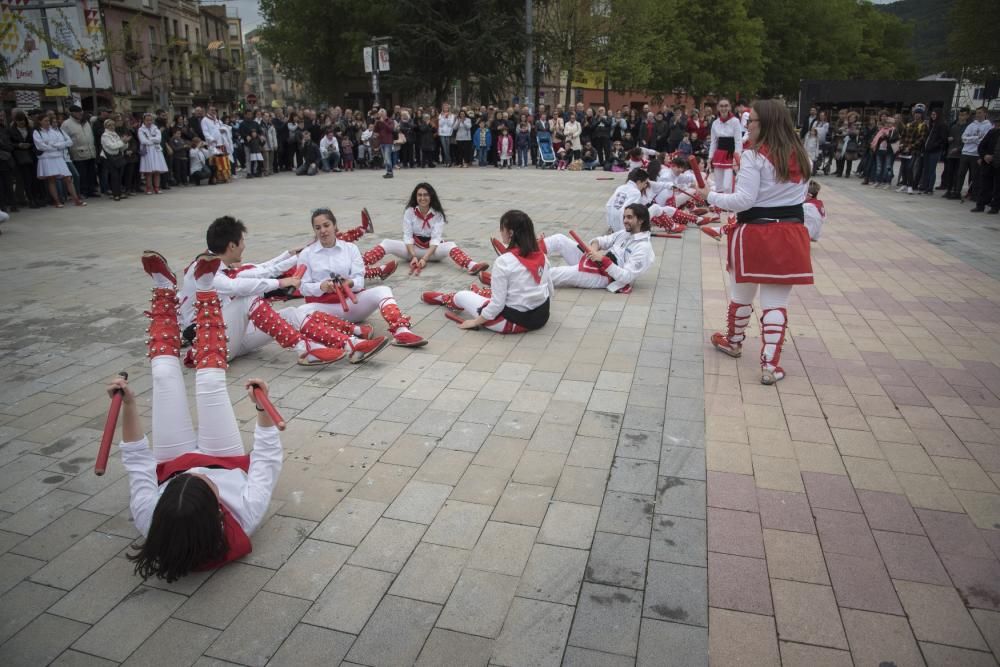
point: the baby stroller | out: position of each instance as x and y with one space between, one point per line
546 156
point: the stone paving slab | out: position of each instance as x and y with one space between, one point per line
606 491
859 469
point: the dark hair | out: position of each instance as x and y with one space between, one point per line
653 169
186 531
638 174
642 213
522 231
222 232
635 152
679 161
435 202
325 212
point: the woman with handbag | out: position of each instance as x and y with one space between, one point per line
151 161
113 149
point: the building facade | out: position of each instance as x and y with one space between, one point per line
266 82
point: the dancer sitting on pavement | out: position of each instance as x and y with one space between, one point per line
814 211
195 497
521 284
327 258
613 262
769 244
354 234
632 192
664 212
251 321
423 229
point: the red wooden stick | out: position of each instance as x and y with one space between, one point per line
454 318
661 235
696 168
265 402
350 293
583 246
101 466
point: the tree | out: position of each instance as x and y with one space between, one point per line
973 39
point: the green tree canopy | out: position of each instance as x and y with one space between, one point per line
974 44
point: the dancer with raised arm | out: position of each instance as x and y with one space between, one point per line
195 496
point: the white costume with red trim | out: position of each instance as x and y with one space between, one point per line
237 291
815 216
622 197
769 251
633 255
726 144
344 259
518 284
420 230
776 252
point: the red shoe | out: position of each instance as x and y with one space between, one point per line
723 344
320 356
381 272
366 221
366 331
408 339
486 278
712 231
478 267
701 210
153 263
433 298
366 348
206 263
498 246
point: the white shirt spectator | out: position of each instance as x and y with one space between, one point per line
973 134
446 124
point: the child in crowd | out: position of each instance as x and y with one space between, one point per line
347 153
523 143
814 211
505 148
562 155
255 154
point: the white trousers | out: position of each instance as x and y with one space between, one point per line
470 303
723 180
244 336
173 432
369 300
398 248
570 275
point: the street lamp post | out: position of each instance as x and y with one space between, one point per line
529 57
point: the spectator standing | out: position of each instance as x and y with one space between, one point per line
482 139
571 132
151 163
969 162
445 128
953 153
28 190
82 152
463 139
386 131
937 140
51 144
522 142
113 149
180 149
989 184
601 135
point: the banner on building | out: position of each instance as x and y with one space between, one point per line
588 79
76 27
54 85
28 99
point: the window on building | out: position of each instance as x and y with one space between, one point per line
235 57
979 93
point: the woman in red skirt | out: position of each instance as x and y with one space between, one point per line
769 244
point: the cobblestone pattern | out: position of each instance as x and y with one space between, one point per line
854 511
537 499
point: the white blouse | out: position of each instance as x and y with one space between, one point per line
343 258
512 285
254 281
414 226
245 494
634 253
757 185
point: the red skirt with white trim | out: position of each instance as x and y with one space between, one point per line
771 253
722 159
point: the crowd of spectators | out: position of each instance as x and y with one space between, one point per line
50 158
904 152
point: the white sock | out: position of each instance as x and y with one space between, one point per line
402 330
357 331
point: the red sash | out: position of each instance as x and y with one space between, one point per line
422 242
236 538
794 173
534 263
329 298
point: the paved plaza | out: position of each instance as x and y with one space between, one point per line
605 491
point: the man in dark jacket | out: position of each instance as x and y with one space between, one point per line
989 170
953 152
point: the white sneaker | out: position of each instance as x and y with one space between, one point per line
901 188
909 190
